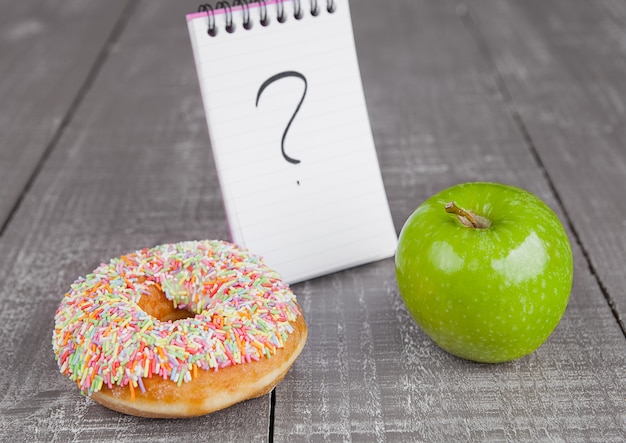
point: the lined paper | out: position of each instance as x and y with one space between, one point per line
325 209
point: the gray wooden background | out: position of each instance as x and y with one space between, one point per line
104 149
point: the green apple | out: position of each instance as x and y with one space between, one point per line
485 270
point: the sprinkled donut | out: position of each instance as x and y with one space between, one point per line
178 330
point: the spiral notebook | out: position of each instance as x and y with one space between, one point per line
290 134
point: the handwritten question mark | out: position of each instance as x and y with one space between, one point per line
268 82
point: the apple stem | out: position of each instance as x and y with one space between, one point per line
468 218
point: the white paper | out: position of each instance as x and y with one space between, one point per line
329 211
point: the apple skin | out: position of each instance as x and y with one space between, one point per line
489 295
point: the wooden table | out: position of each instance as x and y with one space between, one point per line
104 150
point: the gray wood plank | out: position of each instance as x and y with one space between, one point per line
47 50
368 373
564 65
132 169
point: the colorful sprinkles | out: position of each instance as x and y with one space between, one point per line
242 313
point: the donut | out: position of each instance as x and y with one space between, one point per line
178 330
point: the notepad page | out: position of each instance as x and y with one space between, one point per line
303 189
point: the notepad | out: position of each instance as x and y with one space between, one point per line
290 134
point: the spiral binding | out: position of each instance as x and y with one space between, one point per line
281 15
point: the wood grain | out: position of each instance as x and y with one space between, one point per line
368 373
47 50
563 65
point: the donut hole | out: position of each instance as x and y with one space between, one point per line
158 306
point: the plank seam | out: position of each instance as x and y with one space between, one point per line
270 436
467 19
90 78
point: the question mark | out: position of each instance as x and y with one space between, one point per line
268 82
